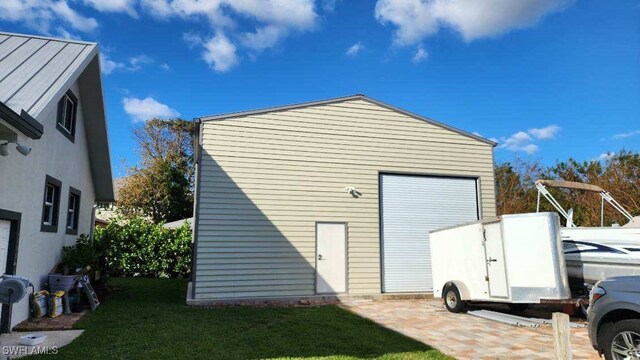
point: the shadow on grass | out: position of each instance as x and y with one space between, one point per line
147 318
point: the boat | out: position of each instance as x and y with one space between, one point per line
595 253
589 262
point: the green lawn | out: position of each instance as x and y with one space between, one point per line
148 318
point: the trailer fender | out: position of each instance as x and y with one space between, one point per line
464 291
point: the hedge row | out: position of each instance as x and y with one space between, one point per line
136 248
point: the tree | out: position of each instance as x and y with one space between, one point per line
620 175
160 187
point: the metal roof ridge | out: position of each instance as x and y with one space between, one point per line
50 38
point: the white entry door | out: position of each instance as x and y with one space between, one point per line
331 258
494 257
5 228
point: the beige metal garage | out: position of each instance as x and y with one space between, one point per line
329 198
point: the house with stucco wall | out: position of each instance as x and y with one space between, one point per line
54 154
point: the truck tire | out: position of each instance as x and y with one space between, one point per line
614 339
452 300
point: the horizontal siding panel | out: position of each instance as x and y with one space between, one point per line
299 249
438 167
216 211
256 134
362 132
265 272
244 222
316 118
273 137
247 268
289 262
233 162
332 153
266 179
231 282
266 294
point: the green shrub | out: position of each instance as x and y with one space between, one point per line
83 253
137 248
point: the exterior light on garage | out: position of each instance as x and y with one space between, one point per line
353 191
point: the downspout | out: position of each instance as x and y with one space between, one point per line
197 154
93 221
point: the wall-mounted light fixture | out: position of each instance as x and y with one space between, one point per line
22 149
353 191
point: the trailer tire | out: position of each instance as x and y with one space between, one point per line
518 307
452 300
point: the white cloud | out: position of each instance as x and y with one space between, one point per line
516 142
134 63
482 136
420 55
545 133
354 49
43 15
116 6
264 38
141 110
270 22
157 8
108 66
524 140
64 33
77 21
192 39
625 135
329 5
606 156
250 26
165 67
220 53
416 20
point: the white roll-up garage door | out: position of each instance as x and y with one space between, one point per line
411 207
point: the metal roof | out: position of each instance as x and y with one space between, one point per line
23 122
342 99
34 69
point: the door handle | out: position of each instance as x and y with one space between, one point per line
320 258
490 260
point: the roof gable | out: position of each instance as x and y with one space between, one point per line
339 100
35 70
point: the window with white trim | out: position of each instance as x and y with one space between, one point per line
67 110
51 205
73 211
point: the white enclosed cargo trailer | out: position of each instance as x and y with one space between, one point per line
515 259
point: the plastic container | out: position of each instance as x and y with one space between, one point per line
59 282
32 339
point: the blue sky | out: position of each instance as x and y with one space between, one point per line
549 79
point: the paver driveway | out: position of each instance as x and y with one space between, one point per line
464 336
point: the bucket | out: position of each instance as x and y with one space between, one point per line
59 282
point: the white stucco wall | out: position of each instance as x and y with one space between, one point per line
22 181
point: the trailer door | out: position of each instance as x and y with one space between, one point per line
494 258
